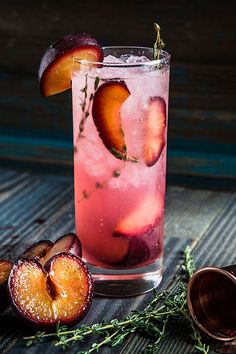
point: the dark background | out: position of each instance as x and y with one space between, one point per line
199 35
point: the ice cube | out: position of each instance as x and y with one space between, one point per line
132 176
112 59
136 59
124 57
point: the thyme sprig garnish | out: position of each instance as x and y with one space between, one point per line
123 156
159 44
100 185
152 322
85 106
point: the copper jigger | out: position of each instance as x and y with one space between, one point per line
211 299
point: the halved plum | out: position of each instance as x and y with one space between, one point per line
55 69
68 243
155 130
37 250
5 269
59 292
106 115
45 249
142 220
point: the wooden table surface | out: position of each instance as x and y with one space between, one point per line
39 206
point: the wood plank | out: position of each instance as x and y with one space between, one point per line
26 114
190 212
102 308
26 203
194 102
202 122
202 86
193 163
202 103
56 156
217 248
26 198
199 32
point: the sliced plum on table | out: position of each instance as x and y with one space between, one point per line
37 250
69 243
155 130
107 103
55 71
5 269
59 292
45 249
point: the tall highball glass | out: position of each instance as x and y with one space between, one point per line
120 109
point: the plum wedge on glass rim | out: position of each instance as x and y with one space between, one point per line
61 291
56 64
155 130
107 103
5 269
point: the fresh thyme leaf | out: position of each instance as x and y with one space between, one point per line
123 156
153 321
116 173
85 106
188 264
132 159
96 83
99 185
85 194
117 154
29 343
39 336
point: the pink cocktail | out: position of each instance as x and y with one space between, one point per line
120 137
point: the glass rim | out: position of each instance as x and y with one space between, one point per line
165 60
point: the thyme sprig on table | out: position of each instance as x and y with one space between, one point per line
151 322
188 264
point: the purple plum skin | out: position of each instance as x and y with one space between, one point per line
65 45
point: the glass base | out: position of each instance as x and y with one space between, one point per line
126 282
